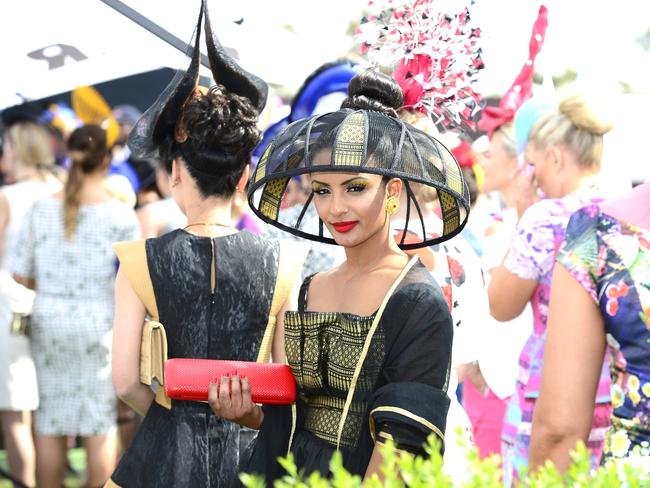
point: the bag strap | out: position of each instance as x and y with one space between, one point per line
366 346
291 257
153 347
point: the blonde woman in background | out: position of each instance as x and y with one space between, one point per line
64 253
564 147
27 161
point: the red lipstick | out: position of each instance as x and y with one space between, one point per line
346 226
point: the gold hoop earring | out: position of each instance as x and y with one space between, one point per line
392 205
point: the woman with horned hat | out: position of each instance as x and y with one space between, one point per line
370 343
210 291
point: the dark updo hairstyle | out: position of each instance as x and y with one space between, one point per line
222 133
88 152
376 91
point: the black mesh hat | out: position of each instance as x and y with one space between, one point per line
153 134
362 141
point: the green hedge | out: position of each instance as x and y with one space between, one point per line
417 472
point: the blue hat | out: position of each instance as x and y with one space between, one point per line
527 116
329 78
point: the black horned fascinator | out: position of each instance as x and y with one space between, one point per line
153 134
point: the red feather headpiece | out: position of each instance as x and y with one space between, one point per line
522 88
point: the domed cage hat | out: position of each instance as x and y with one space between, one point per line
362 141
154 133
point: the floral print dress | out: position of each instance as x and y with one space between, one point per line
611 260
532 254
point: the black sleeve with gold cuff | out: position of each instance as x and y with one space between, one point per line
407 413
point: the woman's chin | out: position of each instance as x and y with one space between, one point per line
345 241
348 239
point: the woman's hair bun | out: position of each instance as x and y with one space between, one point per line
376 91
223 129
584 115
87 146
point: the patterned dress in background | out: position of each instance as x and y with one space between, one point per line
539 234
611 260
72 319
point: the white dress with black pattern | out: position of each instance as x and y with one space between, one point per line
72 318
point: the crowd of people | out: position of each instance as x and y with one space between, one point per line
414 284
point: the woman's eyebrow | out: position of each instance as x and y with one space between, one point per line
316 182
353 179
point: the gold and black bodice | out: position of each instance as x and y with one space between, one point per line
323 349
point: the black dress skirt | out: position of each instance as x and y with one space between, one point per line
395 363
187 445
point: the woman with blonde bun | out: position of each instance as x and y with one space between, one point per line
564 147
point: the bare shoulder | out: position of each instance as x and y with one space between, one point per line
324 279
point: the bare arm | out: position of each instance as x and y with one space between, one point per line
278 354
127 338
573 358
26 282
508 294
374 466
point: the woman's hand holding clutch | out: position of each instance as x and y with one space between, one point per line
230 398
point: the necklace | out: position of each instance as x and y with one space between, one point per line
207 224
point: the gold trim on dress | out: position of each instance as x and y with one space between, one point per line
294 422
404 413
366 346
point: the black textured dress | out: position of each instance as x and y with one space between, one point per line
187 445
395 363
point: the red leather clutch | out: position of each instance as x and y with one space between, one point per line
188 379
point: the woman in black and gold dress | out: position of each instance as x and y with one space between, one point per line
215 290
370 343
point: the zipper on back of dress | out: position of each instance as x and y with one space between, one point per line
213 292
213 271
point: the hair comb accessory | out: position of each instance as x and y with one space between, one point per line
436 49
522 88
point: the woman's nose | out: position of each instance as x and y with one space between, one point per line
338 206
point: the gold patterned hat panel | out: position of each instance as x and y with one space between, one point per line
351 141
